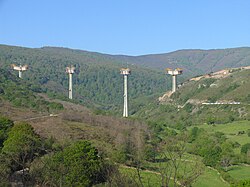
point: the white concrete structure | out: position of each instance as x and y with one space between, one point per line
19 68
223 103
70 70
125 72
174 74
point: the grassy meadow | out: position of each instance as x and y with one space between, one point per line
231 131
240 172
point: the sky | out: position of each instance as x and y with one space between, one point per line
129 27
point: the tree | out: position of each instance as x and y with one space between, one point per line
5 126
212 156
227 155
245 148
83 164
21 146
248 132
174 167
4 170
77 165
193 134
149 152
211 120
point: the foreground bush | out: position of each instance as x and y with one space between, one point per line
77 165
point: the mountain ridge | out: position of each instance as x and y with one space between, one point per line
199 59
97 80
162 60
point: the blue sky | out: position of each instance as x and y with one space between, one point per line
131 27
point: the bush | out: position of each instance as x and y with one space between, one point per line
4 171
244 183
21 146
236 144
193 134
188 107
77 165
245 148
55 106
149 152
211 120
212 156
248 132
5 126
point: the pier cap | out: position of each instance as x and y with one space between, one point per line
177 71
70 70
20 67
125 71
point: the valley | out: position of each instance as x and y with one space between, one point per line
169 139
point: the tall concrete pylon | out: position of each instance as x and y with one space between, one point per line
125 72
20 69
174 74
70 70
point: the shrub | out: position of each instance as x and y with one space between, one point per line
55 106
212 156
5 126
22 145
245 148
77 165
248 132
243 183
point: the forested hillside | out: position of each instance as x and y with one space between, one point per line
23 94
97 81
196 61
186 106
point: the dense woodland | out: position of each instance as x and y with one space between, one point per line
97 80
23 94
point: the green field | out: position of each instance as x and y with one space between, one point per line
210 178
148 178
230 130
240 172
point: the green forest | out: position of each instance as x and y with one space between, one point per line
97 81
